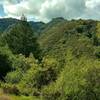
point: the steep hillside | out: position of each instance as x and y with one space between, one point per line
65 65
61 34
6 22
75 45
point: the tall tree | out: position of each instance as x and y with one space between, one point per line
21 40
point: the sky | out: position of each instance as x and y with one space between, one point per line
45 10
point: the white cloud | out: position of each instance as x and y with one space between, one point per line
92 9
92 3
47 9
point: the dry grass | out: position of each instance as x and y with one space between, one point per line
4 97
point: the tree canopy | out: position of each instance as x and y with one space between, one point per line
21 39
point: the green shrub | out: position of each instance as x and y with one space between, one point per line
14 77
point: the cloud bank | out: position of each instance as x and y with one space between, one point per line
45 10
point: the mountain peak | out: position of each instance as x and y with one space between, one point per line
58 19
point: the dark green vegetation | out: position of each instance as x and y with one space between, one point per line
21 40
62 63
5 23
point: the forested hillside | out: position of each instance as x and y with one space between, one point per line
7 22
61 63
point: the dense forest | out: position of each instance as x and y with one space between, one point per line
58 60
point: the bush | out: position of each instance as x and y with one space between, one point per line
97 52
14 77
5 61
21 40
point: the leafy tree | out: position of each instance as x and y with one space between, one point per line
21 40
5 61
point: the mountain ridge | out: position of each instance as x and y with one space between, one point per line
6 22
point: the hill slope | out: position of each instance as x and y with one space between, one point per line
69 64
75 46
56 37
6 22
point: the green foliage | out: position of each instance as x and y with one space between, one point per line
93 83
21 40
5 62
14 77
20 66
27 85
97 52
38 76
75 82
6 22
69 68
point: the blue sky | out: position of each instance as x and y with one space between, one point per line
2 11
45 10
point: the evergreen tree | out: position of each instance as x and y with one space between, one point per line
21 40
